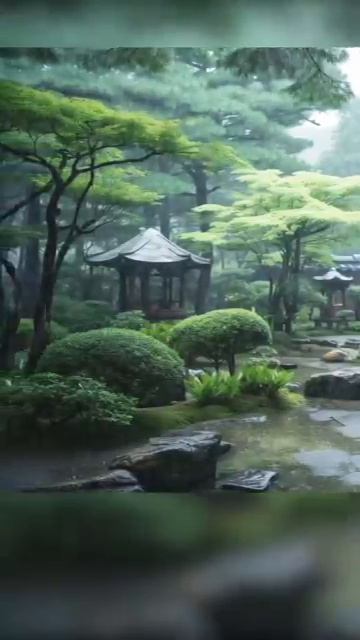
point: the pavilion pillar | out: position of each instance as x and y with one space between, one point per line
203 289
122 291
165 292
343 297
170 292
145 292
182 290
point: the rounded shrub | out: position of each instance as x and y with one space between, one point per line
128 361
82 315
219 335
50 407
26 329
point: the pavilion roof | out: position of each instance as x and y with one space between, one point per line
149 246
333 275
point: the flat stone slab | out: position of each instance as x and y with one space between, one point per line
120 480
250 480
174 463
288 365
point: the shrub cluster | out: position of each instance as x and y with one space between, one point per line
219 335
128 361
47 406
134 320
82 316
159 330
26 329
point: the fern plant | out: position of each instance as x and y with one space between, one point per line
262 380
214 388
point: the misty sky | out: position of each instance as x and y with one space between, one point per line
322 135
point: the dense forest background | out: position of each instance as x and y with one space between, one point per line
220 114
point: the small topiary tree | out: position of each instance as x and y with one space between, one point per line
26 329
220 335
128 361
50 407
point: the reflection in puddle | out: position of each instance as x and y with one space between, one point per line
329 462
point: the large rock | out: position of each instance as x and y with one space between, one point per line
342 384
120 480
251 480
340 355
174 463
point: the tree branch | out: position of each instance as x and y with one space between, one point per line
111 163
14 209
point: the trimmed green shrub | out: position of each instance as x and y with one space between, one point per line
82 316
26 329
159 330
126 360
263 380
134 320
214 388
47 406
219 335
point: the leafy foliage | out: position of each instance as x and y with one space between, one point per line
134 320
50 407
263 380
82 316
220 388
219 334
26 329
215 388
159 330
128 361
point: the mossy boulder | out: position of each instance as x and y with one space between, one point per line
128 361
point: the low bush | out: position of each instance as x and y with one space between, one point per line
26 329
220 335
47 406
215 388
263 380
126 360
159 330
134 320
82 316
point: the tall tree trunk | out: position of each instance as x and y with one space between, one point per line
278 300
291 297
43 307
30 270
11 319
201 194
164 217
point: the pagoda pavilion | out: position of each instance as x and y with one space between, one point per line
154 274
